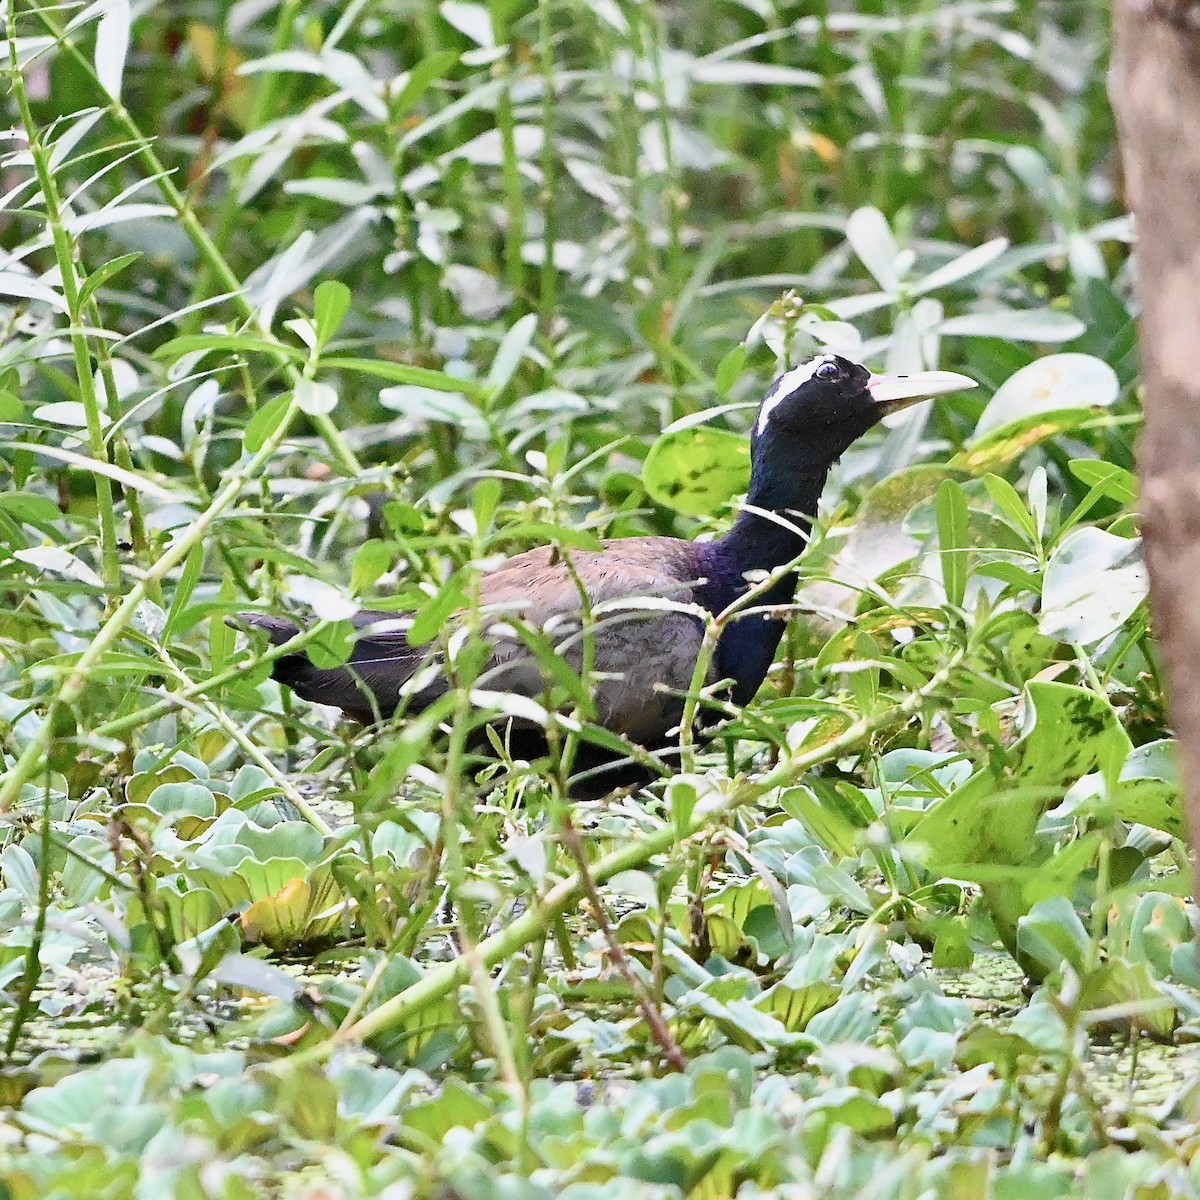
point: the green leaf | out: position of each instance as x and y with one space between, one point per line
332 646
1016 325
371 560
829 827
194 343
331 302
1051 934
545 532
1130 987
1092 585
511 351
555 668
455 1106
182 799
188 578
1106 481
429 69
730 368
1013 575
698 470
986 828
266 422
1146 792
98 278
1051 384
1114 482
406 750
953 540
315 399
428 622
871 238
999 447
485 501
28 506
1009 501
404 373
991 819
11 408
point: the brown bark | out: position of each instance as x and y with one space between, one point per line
1154 86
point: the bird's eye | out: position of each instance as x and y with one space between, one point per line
828 371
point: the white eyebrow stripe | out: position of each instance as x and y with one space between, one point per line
785 385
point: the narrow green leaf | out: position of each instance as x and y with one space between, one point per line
112 47
1009 501
485 501
128 479
98 278
235 342
188 578
952 540
1105 481
730 367
331 302
509 354
430 69
432 617
221 637
556 669
395 372
862 674
1013 575
265 422
544 531
829 827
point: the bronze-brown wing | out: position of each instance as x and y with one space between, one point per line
642 657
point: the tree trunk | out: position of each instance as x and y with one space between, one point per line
1154 86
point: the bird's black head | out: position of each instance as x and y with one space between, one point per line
815 411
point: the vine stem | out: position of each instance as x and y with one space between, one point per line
533 923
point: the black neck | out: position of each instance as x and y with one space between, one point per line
773 527
771 531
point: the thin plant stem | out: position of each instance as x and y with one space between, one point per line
548 286
651 1012
65 257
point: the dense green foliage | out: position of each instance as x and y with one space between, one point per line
306 306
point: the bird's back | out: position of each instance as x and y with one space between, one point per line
641 657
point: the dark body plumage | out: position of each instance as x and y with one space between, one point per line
644 661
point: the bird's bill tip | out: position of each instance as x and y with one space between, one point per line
894 392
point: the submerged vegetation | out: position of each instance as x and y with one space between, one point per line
311 307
